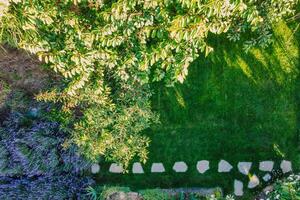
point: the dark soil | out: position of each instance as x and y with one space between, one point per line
23 71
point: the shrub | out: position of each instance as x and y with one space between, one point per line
104 192
36 149
154 194
55 187
33 164
107 191
286 189
214 197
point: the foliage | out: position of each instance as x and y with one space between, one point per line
154 194
110 51
108 190
260 16
104 192
286 189
213 197
36 149
33 163
18 101
4 91
3 7
56 187
228 99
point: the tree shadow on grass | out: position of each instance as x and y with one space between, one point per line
233 106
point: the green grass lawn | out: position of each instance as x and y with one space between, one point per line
235 106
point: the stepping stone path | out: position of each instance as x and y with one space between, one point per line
157 168
224 166
137 168
267 177
115 168
95 168
266 166
286 166
202 166
180 167
254 181
238 188
244 167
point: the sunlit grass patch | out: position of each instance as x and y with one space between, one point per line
235 106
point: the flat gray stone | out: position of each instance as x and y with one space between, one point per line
180 166
137 168
267 177
254 181
133 196
238 188
95 168
117 196
244 167
224 166
157 168
202 166
115 168
266 166
286 166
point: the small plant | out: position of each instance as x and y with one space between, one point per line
104 192
93 193
154 194
286 189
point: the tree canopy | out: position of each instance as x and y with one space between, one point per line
109 52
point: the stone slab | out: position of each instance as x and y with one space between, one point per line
137 168
266 166
244 167
115 168
202 166
95 168
253 182
286 166
267 177
180 166
224 166
157 168
238 188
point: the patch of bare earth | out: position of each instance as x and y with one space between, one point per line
23 71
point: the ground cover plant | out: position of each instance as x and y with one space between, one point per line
287 189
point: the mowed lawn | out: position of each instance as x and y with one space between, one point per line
235 106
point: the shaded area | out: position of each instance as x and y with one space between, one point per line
235 106
22 71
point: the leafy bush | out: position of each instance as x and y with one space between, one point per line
104 192
154 194
33 164
54 187
110 51
286 189
213 197
35 150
